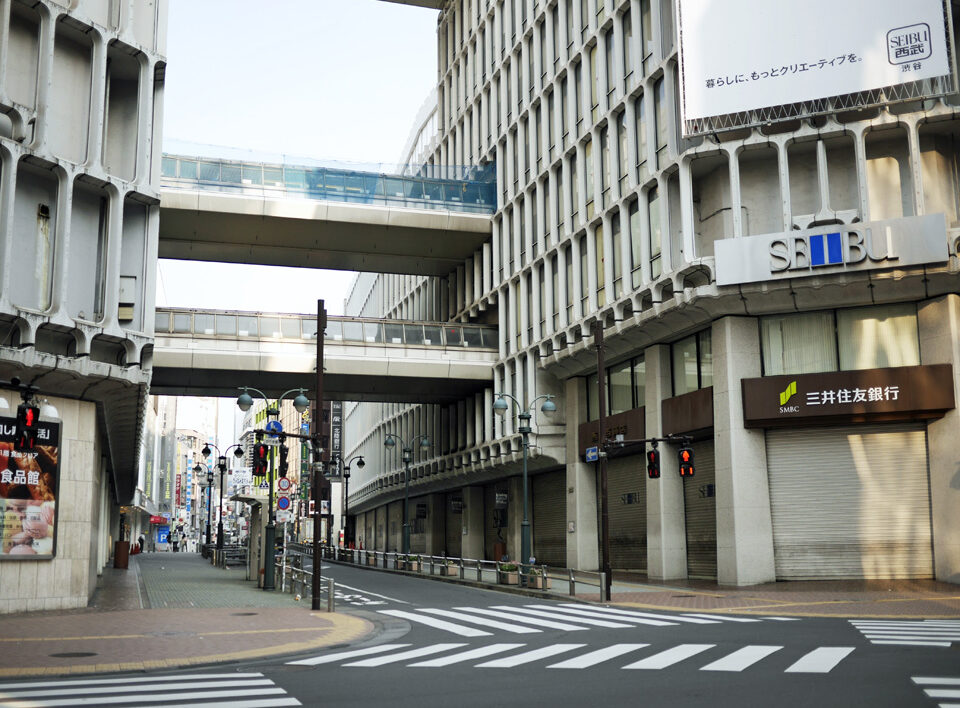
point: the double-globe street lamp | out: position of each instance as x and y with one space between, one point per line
244 403
501 407
199 470
222 466
344 519
407 449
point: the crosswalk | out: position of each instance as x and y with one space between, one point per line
821 660
916 633
210 690
939 687
570 617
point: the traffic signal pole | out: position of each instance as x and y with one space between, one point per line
602 462
317 452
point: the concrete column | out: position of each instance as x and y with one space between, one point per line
744 526
435 524
582 522
472 520
666 523
515 516
939 321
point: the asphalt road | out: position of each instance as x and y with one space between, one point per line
444 644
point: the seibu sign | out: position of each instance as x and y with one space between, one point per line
894 243
901 393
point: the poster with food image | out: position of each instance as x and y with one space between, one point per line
28 493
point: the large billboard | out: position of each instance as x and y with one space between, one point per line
29 482
749 62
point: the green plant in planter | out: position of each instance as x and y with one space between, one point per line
508 567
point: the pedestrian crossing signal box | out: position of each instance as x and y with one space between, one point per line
686 462
26 430
653 463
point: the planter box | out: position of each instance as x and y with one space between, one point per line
371 560
413 566
509 577
538 582
450 570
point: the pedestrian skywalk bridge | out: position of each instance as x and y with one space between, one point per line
210 690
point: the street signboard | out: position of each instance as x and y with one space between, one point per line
264 486
283 484
593 454
273 427
271 442
283 502
284 516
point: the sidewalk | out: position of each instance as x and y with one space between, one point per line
168 610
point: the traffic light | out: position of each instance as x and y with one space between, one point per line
686 462
26 431
284 467
653 463
260 452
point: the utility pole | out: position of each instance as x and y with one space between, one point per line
602 460
318 453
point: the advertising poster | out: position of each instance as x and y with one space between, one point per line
28 493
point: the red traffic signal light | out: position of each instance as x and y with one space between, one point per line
653 463
28 418
260 453
686 462
284 465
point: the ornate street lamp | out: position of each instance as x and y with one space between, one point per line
407 450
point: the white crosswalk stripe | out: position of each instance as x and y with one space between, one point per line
546 624
723 618
922 633
436 623
633 613
940 687
483 621
246 690
821 660
588 612
551 615
330 658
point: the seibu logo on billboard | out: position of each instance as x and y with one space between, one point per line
851 245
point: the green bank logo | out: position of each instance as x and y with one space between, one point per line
789 393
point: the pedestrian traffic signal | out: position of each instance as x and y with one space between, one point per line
653 463
284 467
686 462
25 436
260 452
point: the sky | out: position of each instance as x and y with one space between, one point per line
322 79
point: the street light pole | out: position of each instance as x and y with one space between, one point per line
500 406
407 451
318 451
602 461
209 500
222 466
344 521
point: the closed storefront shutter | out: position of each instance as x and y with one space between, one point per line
395 524
453 508
850 502
369 541
494 522
381 516
627 495
700 507
418 524
550 518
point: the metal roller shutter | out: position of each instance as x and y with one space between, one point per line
700 508
381 517
550 518
627 495
418 526
394 525
859 509
454 528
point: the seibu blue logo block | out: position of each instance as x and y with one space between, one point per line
853 245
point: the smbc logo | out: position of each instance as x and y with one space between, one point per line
785 397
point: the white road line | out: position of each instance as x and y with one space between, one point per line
911 643
467 655
724 618
330 658
596 615
404 655
192 697
782 619
929 681
942 693
375 594
906 628
483 621
741 658
436 623
138 679
593 658
520 618
550 615
529 656
630 613
910 635
821 660
670 656
146 686
263 703
907 623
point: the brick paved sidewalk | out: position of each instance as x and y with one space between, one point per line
168 610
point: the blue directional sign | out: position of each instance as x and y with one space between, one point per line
593 454
274 428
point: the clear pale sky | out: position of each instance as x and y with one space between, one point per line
324 79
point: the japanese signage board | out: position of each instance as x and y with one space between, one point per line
29 483
740 56
630 424
869 395
894 243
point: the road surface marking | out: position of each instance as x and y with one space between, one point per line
375 594
467 655
821 660
550 615
670 656
330 658
436 623
742 658
632 613
483 621
529 656
597 657
519 618
145 685
138 679
723 618
404 655
588 612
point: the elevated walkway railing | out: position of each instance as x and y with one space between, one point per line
465 189
223 324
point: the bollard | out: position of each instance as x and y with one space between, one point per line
330 603
573 584
462 571
604 596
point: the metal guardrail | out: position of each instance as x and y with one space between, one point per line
533 576
298 581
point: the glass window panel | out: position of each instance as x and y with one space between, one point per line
685 367
353 185
210 171
472 337
798 344
706 358
373 186
247 326
656 232
453 336
270 327
168 167
639 383
621 389
203 324
373 332
309 328
413 189
188 169
230 174
253 174
413 334
394 187
393 333
273 176
593 398
433 190
334 182
433 335
182 323
161 322
314 179
334 330
353 331
294 179
290 327
227 325
878 337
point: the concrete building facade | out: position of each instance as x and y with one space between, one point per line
819 391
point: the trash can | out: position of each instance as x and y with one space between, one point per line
121 554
